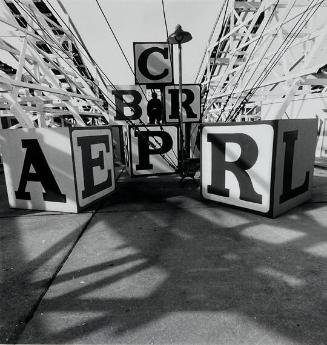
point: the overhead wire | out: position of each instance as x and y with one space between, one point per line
210 37
281 51
167 34
223 31
65 52
164 15
116 39
248 59
116 109
211 77
118 43
122 51
170 50
262 57
56 44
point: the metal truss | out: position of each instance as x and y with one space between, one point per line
46 74
261 57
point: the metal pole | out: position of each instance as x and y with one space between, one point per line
180 101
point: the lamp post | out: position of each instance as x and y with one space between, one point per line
179 36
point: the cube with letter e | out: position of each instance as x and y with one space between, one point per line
57 169
265 166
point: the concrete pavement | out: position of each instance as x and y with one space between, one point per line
155 264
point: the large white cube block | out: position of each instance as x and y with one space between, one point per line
153 63
57 169
130 104
151 150
265 166
191 103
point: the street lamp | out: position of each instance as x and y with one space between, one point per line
179 36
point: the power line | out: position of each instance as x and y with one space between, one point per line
119 45
223 31
247 61
280 52
116 39
262 57
164 15
210 37
114 108
79 40
122 51
167 34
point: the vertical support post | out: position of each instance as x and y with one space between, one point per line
180 101
187 140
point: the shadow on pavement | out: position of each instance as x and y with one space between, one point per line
156 249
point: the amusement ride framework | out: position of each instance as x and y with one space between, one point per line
264 60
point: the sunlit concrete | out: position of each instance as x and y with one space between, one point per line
159 265
32 248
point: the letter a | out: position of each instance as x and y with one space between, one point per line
43 174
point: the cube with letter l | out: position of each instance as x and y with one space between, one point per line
264 166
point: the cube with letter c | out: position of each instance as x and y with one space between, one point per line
265 167
153 63
57 169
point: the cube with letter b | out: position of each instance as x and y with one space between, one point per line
130 104
57 169
265 167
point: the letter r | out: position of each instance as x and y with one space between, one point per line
248 157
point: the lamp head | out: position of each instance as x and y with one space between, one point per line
179 36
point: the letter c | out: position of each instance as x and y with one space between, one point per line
143 63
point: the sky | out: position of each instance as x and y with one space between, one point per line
142 21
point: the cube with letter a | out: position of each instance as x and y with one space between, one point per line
265 166
153 150
57 169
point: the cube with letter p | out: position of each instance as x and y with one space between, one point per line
265 166
152 150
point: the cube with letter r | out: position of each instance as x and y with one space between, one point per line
57 169
191 103
265 166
